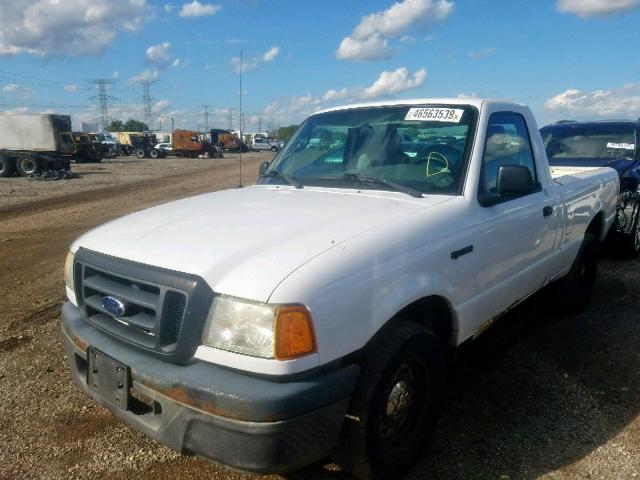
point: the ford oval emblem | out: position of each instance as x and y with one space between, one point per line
114 306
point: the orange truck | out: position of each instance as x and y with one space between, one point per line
188 143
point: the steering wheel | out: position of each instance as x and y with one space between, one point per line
441 159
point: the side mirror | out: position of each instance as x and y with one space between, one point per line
514 180
263 167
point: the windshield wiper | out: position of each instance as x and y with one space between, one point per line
354 177
289 179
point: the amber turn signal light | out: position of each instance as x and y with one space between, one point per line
294 333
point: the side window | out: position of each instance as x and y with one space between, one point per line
507 143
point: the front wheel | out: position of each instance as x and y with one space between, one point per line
140 153
396 404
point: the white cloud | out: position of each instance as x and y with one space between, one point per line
253 62
467 95
168 8
235 40
271 54
293 109
178 62
618 102
407 39
147 75
332 95
22 91
10 88
596 8
159 54
369 40
72 88
72 27
196 9
480 54
400 80
160 106
371 48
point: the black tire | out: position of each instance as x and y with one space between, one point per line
631 239
140 153
405 364
7 167
27 165
154 153
274 149
573 291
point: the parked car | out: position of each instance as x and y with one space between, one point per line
309 315
604 143
261 143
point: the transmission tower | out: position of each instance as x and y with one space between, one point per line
230 119
146 102
205 114
102 100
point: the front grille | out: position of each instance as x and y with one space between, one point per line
159 305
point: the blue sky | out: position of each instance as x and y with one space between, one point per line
564 58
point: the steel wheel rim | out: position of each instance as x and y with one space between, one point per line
28 165
405 404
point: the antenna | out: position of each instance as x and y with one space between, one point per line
241 142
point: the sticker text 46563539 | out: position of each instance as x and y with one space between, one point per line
453 115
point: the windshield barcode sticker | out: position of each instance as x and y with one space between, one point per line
622 146
453 115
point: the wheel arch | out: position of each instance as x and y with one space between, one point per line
436 313
596 227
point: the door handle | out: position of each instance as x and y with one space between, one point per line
546 211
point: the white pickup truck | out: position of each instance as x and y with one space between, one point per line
309 315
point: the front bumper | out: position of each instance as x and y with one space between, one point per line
249 423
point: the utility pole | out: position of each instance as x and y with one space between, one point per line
102 99
241 139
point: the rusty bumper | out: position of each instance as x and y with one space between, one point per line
257 424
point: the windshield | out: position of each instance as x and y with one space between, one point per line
595 141
421 147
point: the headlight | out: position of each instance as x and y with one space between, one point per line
259 329
68 270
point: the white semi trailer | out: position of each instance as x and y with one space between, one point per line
30 143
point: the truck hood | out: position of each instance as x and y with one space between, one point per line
244 242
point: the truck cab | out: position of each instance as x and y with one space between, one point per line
310 315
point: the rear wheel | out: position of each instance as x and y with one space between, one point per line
631 238
7 167
27 165
396 404
154 153
140 153
573 291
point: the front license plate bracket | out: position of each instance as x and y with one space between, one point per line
108 377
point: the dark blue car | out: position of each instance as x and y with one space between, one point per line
612 144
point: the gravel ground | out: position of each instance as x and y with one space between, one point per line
538 396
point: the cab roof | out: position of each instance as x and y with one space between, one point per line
479 103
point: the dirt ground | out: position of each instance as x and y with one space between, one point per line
540 396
